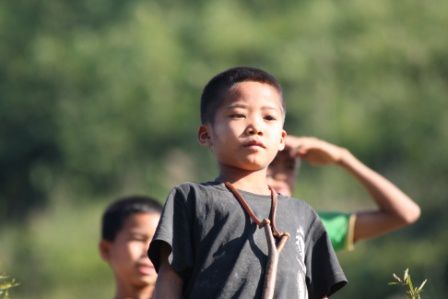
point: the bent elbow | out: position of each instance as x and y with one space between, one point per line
412 215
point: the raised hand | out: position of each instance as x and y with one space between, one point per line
314 150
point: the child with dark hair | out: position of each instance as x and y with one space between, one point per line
128 225
228 238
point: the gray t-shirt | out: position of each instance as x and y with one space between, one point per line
221 253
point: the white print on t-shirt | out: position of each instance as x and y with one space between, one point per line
300 257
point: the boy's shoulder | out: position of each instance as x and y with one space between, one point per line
295 207
296 202
211 191
218 187
203 186
194 190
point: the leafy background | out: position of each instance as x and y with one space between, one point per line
99 99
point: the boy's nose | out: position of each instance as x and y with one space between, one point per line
254 127
253 131
144 250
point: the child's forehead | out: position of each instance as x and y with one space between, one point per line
246 90
253 87
283 162
140 219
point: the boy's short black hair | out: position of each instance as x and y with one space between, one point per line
116 213
217 88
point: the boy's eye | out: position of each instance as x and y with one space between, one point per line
270 117
237 115
139 238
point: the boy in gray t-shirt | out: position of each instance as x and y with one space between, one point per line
208 243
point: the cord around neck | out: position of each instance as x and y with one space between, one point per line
251 213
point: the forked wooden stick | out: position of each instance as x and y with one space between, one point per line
271 234
273 255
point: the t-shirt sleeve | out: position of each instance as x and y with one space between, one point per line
174 230
324 274
340 229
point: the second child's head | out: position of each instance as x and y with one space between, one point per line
128 225
282 172
242 115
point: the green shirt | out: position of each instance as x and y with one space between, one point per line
340 228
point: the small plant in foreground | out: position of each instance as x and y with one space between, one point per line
406 281
6 283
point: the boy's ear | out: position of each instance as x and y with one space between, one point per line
204 136
282 140
104 248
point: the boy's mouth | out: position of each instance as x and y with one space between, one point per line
254 143
145 268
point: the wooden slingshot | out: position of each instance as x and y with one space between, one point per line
272 233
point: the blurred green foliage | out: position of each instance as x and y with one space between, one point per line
100 98
6 284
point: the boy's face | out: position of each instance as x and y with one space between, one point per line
127 253
247 131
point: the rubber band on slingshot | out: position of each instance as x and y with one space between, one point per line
272 233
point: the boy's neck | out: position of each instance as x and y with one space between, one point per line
250 181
